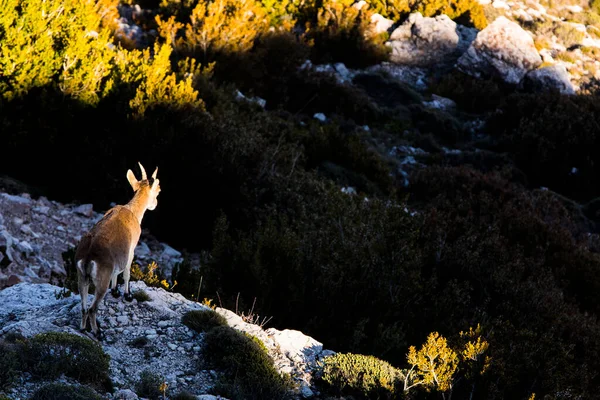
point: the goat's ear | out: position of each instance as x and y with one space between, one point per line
132 180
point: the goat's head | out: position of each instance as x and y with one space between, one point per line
142 188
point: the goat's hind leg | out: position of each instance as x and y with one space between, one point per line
114 287
101 289
84 285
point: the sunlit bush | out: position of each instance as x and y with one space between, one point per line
61 42
362 375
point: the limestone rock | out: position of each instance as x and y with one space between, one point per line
424 41
502 50
553 77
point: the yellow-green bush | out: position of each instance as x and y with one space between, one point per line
223 26
154 81
281 13
392 9
466 12
66 45
58 42
362 375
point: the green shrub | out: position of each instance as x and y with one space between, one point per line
51 354
61 391
360 375
203 320
150 385
11 363
247 370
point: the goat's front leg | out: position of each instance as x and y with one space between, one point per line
126 276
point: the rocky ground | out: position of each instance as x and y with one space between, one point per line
34 232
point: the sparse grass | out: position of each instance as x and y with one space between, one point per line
567 56
203 320
141 296
61 391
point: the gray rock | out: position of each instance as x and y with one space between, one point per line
85 209
553 77
424 41
502 50
125 394
380 24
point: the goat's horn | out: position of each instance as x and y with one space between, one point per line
155 172
144 177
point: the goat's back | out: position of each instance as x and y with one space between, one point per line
111 239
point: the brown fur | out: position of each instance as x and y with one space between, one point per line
107 249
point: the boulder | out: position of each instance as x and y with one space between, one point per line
552 77
502 50
423 41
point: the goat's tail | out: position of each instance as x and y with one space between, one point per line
87 268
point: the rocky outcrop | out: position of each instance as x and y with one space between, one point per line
34 233
424 41
502 50
149 335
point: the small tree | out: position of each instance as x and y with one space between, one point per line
433 366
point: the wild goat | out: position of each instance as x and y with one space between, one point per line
107 249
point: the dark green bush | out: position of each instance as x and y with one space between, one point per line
364 376
203 320
11 363
51 354
61 391
326 249
150 385
141 296
247 371
471 94
499 253
548 135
